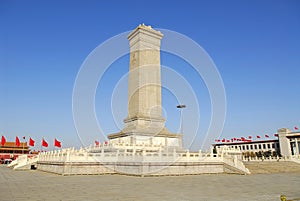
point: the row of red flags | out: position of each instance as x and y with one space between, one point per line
242 139
31 142
97 143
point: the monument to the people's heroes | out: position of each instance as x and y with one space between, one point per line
145 124
144 146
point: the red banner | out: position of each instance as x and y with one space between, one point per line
31 142
57 143
44 143
3 140
17 142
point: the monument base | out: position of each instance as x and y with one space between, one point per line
146 131
139 139
140 161
164 138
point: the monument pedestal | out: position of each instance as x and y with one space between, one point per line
148 132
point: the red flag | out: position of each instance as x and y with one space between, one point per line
234 139
296 128
31 142
250 137
3 140
44 143
17 142
257 136
223 140
57 143
243 139
266 136
276 135
105 142
97 143
227 140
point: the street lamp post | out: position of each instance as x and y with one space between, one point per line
181 117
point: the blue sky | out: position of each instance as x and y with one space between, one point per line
254 44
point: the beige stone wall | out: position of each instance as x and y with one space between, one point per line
133 168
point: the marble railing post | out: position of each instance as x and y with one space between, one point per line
235 160
143 152
188 155
159 154
102 152
174 154
117 154
68 156
86 155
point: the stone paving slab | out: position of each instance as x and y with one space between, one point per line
36 185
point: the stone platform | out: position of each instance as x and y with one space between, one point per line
138 161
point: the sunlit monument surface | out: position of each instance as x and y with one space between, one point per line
145 124
144 147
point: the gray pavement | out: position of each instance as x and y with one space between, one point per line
37 185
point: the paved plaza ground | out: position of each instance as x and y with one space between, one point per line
37 185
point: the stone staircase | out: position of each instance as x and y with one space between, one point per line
268 167
24 162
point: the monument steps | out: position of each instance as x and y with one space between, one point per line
233 170
268 167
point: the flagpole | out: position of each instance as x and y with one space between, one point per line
42 145
23 146
28 147
14 149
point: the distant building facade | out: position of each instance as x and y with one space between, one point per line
10 150
286 144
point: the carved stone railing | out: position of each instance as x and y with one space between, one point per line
294 158
132 154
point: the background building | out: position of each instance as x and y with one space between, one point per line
286 144
10 150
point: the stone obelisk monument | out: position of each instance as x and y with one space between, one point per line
145 124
